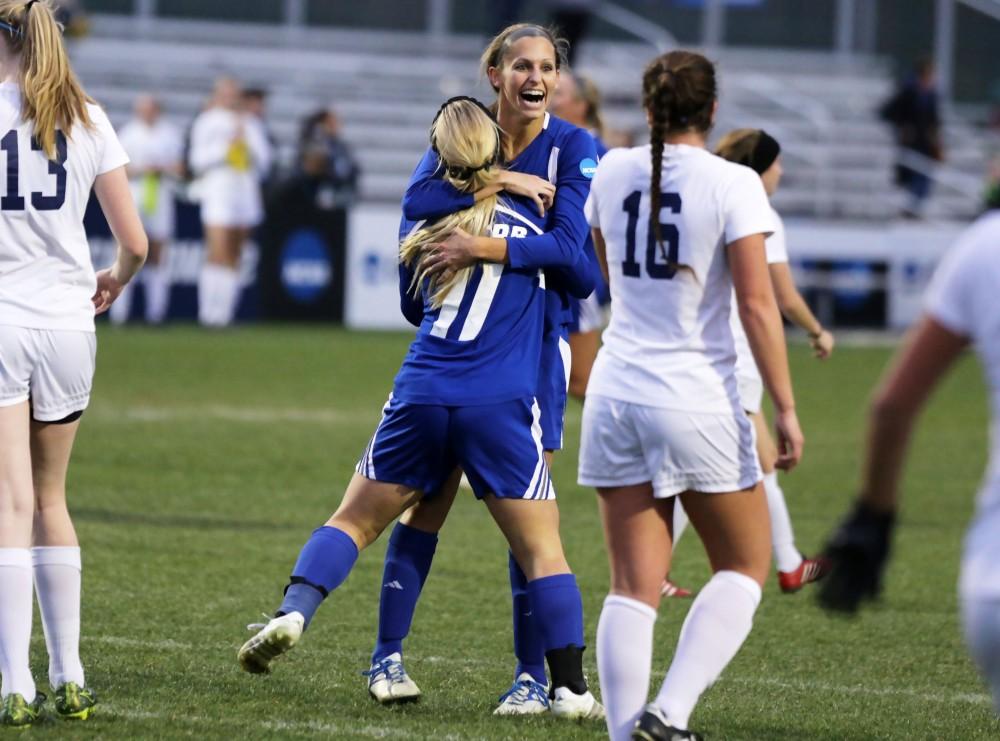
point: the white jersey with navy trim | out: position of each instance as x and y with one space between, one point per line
46 276
962 297
669 342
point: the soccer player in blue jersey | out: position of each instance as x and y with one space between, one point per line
475 357
522 64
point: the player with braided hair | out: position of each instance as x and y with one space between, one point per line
677 230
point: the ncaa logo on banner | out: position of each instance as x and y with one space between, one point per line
306 268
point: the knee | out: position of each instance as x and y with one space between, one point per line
362 533
541 560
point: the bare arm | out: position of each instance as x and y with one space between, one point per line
758 311
601 249
796 310
113 193
918 366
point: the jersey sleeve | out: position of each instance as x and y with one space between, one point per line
775 247
951 296
561 243
577 280
113 154
411 306
745 207
429 195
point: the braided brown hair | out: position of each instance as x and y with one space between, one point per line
679 92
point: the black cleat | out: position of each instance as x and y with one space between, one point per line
652 726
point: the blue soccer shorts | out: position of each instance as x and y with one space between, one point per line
499 446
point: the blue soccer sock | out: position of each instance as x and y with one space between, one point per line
407 563
528 646
558 612
324 563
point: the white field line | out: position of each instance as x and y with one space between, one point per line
228 413
972 698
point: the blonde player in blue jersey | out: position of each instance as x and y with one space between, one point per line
523 65
464 396
679 229
960 311
58 146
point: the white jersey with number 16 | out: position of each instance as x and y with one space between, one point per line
669 343
46 276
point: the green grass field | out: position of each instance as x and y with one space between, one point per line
207 458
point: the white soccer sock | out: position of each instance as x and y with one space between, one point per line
119 311
680 520
786 556
714 629
57 585
15 622
229 293
156 280
624 657
212 297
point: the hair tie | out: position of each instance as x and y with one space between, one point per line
764 154
27 7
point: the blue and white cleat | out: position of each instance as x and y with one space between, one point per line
389 683
525 697
278 636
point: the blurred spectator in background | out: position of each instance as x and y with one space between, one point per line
572 19
70 13
325 161
229 154
913 113
991 200
578 101
255 104
154 148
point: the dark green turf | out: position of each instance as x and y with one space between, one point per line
207 458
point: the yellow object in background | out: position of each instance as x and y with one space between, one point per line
150 192
238 156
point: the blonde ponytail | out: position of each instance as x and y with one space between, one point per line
53 96
467 140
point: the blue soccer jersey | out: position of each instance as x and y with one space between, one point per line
483 344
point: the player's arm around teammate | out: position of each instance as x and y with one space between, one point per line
59 146
679 230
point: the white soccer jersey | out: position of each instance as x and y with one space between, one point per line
746 367
669 343
46 276
157 147
963 298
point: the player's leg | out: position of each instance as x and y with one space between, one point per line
734 528
408 449
216 275
506 466
156 281
408 561
236 238
637 531
794 571
584 347
19 707
61 384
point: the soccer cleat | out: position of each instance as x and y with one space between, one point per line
568 704
669 589
389 683
279 635
74 702
810 570
15 712
525 697
652 726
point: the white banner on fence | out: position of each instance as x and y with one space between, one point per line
372 290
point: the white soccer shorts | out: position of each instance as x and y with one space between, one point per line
54 368
231 200
623 444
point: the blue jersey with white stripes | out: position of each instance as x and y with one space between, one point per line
483 345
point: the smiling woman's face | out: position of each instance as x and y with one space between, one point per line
527 77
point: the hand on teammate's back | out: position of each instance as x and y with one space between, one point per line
790 440
541 191
452 254
857 552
